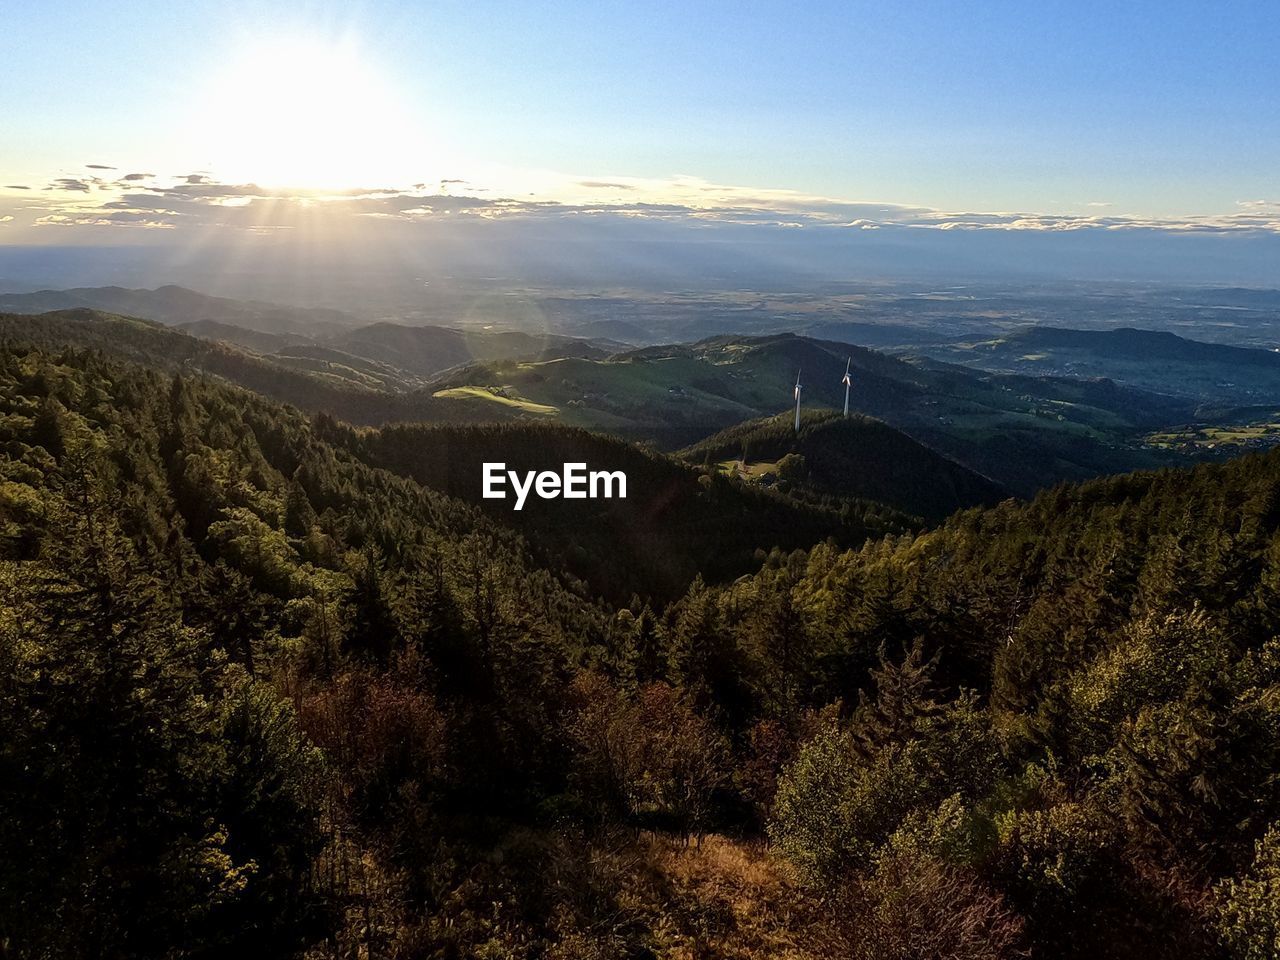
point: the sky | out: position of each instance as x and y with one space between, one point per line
257 117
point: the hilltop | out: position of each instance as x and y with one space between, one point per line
174 305
676 523
857 457
432 349
1024 432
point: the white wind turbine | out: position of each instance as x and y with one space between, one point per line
848 382
797 401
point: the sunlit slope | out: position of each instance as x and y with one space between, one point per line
668 399
426 350
314 378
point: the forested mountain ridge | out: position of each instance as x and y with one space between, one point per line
675 523
857 456
260 693
1141 344
1086 714
1214 374
1024 432
173 553
174 305
712 528
345 394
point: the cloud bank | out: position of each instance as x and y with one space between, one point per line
198 201
602 231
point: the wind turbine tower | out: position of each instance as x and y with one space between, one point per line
797 401
848 382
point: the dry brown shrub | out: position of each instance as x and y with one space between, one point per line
914 907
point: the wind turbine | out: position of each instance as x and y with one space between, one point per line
797 401
848 382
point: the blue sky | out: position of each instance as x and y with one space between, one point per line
1142 110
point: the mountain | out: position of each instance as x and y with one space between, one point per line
166 544
275 685
255 340
308 375
1207 373
175 305
1118 632
1134 344
429 350
1023 432
629 547
857 457
352 396
674 524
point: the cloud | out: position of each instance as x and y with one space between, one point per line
122 218
17 186
98 166
198 200
6 219
203 187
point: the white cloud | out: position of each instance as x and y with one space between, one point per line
193 201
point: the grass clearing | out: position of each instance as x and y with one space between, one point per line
754 469
491 394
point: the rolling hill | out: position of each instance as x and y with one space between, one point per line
428 349
243 646
1211 373
175 305
306 374
269 327
857 457
1025 432
675 523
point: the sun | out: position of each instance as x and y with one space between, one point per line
308 115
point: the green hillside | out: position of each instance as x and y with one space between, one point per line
857 457
675 524
1208 373
189 580
317 380
1113 758
272 686
1024 432
427 350
172 304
